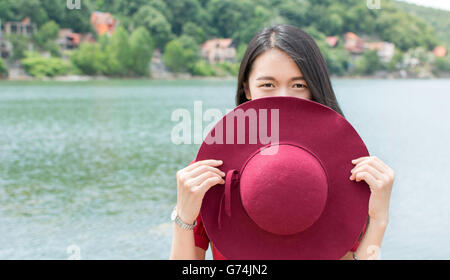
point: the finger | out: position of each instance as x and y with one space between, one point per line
367 177
382 164
197 181
365 166
210 162
358 160
204 168
376 163
210 182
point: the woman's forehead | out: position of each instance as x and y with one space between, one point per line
276 64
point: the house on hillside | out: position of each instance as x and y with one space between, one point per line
24 27
440 51
67 39
385 50
87 37
219 50
332 41
353 44
104 23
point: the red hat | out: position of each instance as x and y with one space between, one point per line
290 198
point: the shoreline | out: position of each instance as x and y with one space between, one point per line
181 77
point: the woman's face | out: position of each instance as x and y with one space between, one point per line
274 73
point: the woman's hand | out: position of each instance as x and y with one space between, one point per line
193 182
380 179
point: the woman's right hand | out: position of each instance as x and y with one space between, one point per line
193 182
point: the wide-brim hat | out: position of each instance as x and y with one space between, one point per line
287 192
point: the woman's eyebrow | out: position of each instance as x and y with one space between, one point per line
273 79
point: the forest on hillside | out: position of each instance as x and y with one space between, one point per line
179 27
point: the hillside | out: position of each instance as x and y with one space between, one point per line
439 19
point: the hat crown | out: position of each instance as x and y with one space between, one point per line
283 188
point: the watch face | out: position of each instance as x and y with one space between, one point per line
173 215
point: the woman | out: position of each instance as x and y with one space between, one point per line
281 60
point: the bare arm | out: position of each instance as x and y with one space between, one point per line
193 182
370 245
183 246
369 248
380 179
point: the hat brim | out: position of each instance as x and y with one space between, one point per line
335 142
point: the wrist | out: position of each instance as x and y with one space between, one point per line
381 223
189 221
185 219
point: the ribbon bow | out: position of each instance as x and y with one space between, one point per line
231 177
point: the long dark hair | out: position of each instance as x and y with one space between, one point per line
302 49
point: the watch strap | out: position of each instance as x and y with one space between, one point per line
184 225
180 222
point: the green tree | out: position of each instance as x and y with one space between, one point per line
195 31
437 18
118 53
405 31
228 17
39 66
240 51
19 44
336 58
442 63
368 63
45 37
3 68
173 56
77 19
294 11
262 18
87 58
48 31
182 12
155 23
142 46
161 7
127 7
181 54
314 33
17 10
202 68
396 59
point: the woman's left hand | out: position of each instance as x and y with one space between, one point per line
380 179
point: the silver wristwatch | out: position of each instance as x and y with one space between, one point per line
174 217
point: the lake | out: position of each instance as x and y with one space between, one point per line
87 169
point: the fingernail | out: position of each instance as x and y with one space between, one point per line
219 161
351 170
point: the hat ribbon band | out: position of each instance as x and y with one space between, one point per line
230 178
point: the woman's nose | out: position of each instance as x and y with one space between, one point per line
283 92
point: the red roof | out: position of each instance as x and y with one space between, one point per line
26 20
103 22
439 51
332 40
351 35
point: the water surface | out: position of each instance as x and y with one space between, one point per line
92 164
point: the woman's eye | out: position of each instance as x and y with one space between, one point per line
296 85
301 85
264 85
